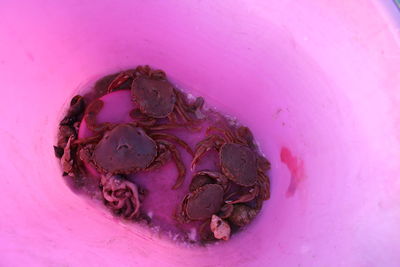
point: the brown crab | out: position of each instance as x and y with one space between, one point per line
120 195
212 198
156 97
242 194
202 203
205 201
238 159
129 147
206 187
242 178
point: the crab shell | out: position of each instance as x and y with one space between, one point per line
124 149
156 97
199 180
239 164
203 202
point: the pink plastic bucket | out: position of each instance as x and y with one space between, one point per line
317 81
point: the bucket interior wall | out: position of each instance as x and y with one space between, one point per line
316 81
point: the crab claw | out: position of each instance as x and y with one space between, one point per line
252 194
203 147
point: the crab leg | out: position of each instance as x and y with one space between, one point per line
172 117
244 134
90 116
263 164
173 138
227 134
178 161
180 112
264 185
163 156
180 166
165 127
120 79
87 140
141 120
225 211
182 106
203 147
157 74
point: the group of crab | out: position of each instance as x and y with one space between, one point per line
229 197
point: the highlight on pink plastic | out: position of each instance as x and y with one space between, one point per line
318 79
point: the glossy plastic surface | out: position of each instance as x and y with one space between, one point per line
317 81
